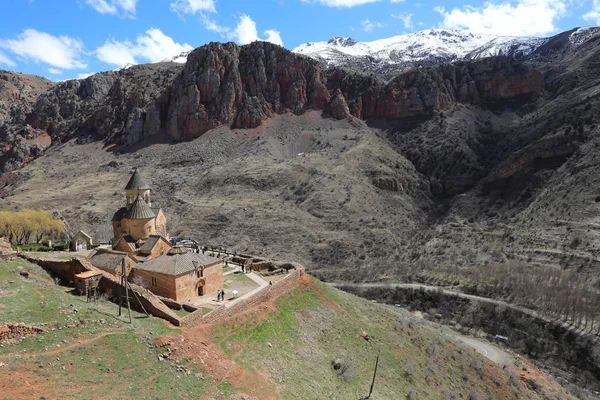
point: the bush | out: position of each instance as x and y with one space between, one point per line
61 247
35 247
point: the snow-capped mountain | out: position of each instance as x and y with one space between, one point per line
180 58
427 47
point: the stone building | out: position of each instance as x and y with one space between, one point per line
180 274
81 241
154 246
138 219
111 261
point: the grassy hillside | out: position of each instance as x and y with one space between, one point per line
283 349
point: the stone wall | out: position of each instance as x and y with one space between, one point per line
268 292
213 275
67 269
138 228
162 285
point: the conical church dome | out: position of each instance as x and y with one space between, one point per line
137 182
140 210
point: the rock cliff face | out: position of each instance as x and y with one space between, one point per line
420 92
241 87
223 84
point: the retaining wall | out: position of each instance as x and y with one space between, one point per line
268 292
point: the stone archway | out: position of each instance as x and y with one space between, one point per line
81 241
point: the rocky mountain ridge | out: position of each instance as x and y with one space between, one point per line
390 56
256 147
241 87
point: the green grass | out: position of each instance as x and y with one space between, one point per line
310 329
120 365
294 345
116 366
181 312
54 255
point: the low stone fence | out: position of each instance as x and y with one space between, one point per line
175 305
282 287
67 269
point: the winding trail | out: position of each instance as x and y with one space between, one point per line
493 353
480 299
79 343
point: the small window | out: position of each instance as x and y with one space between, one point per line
153 281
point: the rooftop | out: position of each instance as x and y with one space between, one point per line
178 261
151 242
107 259
137 182
140 210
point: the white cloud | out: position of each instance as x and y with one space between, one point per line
594 14
4 59
58 51
153 45
213 26
341 3
55 71
405 18
509 17
113 6
245 32
182 7
84 75
273 36
367 25
398 1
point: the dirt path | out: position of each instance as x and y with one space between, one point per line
82 342
488 300
495 354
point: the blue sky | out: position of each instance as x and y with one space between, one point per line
62 39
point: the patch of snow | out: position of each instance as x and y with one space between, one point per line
431 44
582 35
180 58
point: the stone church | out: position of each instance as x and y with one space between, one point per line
137 222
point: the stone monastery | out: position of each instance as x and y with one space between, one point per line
140 248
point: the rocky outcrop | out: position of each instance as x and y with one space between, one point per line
420 92
18 94
121 107
338 106
223 84
241 87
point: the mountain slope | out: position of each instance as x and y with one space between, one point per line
390 56
307 344
448 164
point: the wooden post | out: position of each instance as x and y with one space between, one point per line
121 296
373 381
124 281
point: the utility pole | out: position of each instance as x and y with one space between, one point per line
124 285
373 381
